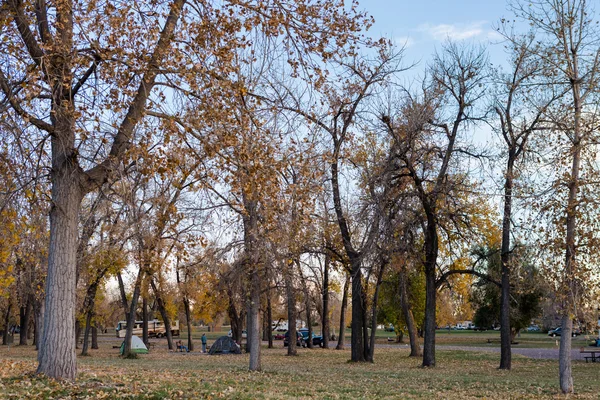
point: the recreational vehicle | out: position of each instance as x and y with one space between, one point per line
156 328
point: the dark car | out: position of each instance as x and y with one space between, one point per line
557 332
316 339
299 342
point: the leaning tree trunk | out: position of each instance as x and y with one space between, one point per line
57 358
163 312
124 302
415 348
431 249
342 333
325 321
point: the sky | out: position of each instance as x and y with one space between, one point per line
422 26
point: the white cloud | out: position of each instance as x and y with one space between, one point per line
442 32
404 41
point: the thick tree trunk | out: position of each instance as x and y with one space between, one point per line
342 334
188 321
57 358
325 320
415 348
77 332
94 337
564 355
133 305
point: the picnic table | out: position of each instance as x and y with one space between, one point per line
590 354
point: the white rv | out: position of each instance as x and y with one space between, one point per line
155 328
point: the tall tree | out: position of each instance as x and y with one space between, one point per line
570 51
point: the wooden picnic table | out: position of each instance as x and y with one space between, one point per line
594 355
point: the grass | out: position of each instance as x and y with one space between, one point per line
318 373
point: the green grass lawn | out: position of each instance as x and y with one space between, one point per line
318 373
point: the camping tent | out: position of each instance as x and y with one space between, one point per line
137 346
224 345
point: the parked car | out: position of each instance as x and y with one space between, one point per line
316 340
278 336
533 328
244 334
299 339
390 328
557 332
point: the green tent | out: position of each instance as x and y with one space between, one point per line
137 346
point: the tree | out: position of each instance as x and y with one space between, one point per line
570 53
426 142
520 112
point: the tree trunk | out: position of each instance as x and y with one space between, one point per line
309 342
342 334
145 338
564 355
188 321
25 318
94 337
6 323
505 336
431 250
371 354
356 340
77 332
123 296
163 312
291 311
131 321
269 319
39 325
57 358
86 335
415 348
254 320
325 320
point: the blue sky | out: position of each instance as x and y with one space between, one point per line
424 25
